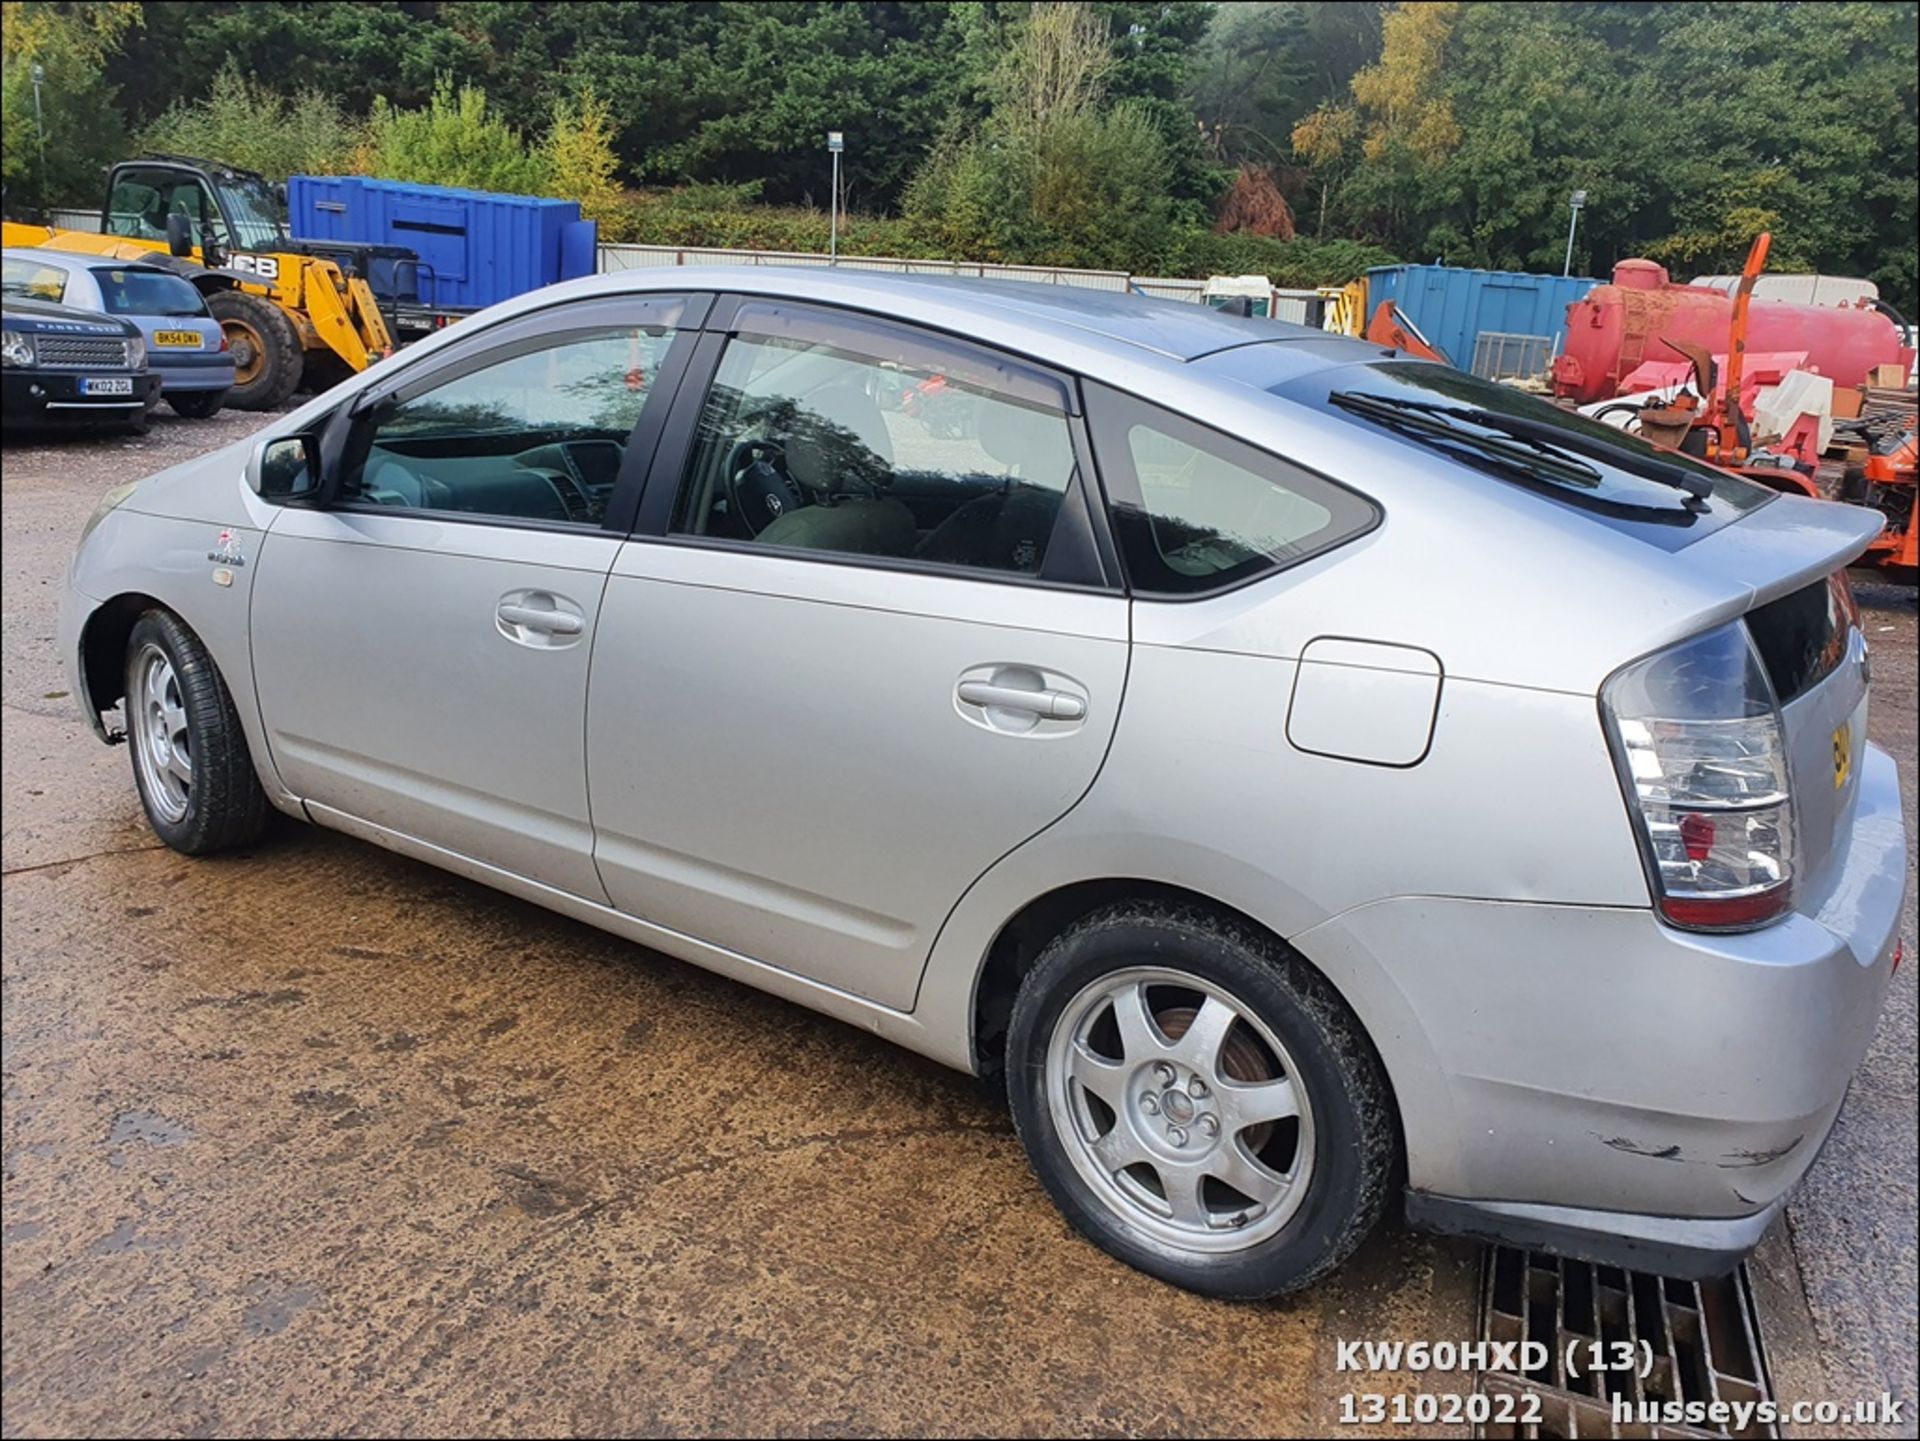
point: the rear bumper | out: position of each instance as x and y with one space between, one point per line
1687 1247
53 397
200 372
1590 1080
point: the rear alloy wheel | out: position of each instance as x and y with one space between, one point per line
190 757
1198 1101
267 358
1170 1110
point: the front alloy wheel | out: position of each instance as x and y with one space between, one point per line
162 744
190 758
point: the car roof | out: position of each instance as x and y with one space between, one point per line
79 260
1109 318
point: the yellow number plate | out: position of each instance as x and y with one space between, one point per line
1842 755
187 339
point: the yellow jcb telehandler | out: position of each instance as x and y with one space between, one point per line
292 310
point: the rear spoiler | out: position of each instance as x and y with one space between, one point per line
1788 543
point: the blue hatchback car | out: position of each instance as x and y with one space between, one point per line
186 347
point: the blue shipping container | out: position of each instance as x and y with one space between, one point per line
1452 306
475 248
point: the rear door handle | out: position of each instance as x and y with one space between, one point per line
1051 704
547 622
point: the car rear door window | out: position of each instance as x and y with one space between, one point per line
1197 511
840 434
538 434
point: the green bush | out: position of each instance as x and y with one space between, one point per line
676 217
451 140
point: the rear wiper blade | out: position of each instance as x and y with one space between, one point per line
1429 421
1697 488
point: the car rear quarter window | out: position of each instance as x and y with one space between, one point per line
1196 511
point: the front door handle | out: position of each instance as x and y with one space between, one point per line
547 622
539 619
1050 704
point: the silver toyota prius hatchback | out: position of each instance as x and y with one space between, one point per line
1307 778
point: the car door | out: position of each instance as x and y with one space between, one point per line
852 657
420 639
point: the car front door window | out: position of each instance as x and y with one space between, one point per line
538 435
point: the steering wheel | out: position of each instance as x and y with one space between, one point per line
760 488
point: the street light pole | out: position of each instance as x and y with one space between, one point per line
40 129
1579 199
836 142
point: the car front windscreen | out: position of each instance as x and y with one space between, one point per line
259 218
130 291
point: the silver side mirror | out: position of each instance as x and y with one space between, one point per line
285 468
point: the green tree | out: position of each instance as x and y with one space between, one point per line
1405 111
70 44
1056 175
579 163
244 124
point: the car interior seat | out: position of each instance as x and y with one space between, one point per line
837 458
1009 529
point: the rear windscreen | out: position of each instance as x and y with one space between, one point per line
1656 495
148 292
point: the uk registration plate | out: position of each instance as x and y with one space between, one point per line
182 339
107 385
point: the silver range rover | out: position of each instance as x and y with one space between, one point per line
1310 779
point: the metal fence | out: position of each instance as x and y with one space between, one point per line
1299 306
1499 355
1302 307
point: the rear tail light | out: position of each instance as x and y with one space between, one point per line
1696 733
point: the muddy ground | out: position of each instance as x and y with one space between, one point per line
316 1138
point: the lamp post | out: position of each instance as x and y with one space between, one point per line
1579 199
836 142
40 129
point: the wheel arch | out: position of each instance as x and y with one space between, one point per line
103 648
1020 939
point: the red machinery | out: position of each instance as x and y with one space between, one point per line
1615 327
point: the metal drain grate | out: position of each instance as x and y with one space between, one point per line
1703 1336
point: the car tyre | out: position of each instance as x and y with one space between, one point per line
197 404
190 759
1285 1024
